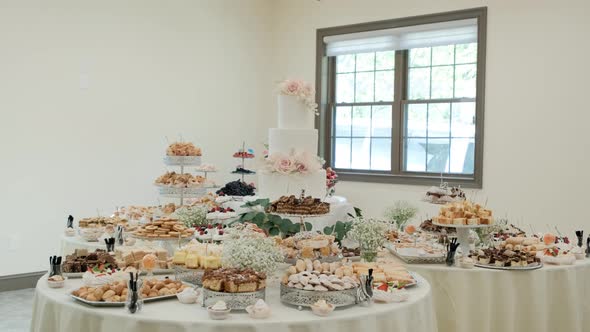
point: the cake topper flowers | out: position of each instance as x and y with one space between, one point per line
302 90
293 163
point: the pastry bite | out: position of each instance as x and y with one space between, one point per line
183 149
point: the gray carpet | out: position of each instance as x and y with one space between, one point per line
16 310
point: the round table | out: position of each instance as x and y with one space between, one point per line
68 244
55 310
553 298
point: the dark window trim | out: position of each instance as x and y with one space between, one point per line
325 92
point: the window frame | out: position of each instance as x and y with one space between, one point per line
325 97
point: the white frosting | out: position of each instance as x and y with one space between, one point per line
293 114
287 140
220 306
275 185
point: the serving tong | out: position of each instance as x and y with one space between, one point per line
119 235
54 266
451 250
134 303
365 291
110 242
580 236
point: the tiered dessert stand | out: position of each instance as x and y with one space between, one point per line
182 193
243 162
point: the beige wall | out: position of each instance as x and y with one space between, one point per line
537 150
89 90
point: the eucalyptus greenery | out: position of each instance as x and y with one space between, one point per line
271 223
341 228
400 213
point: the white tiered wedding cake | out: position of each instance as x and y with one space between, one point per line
293 164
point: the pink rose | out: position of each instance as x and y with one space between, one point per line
284 165
292 87
301 167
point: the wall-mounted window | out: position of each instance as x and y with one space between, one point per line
402 100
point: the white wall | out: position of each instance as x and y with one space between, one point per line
537 148
89 90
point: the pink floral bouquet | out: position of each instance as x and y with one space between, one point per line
302 90
293 163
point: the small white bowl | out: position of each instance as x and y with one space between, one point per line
218 314
258 314
322 311
56 284
188 296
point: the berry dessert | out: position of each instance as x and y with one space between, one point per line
219 213
237 188
211 233
243 154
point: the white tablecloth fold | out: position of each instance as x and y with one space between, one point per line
54 310
553 298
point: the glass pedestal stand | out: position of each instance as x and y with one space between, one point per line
463 234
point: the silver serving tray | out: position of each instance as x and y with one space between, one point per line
191 276
120 304
234 301
328 259
76 275
416 259
530 267
305 298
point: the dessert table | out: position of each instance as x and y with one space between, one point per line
553 298
68 244
55 310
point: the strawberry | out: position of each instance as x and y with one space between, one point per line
220 232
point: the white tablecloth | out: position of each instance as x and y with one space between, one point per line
70 243
54 310
553 298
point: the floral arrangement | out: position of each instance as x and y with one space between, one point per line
259 254
400 213
331 180
302 90
192 216
369 233
293 163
